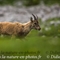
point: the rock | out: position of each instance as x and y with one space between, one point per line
23 14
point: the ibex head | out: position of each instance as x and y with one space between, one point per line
35 23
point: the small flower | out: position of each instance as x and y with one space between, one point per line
47 28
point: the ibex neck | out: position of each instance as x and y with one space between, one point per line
27 27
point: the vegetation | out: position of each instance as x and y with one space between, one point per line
51 27
45 41
5 2
50 2
29 2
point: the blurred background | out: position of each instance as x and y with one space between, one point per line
46 40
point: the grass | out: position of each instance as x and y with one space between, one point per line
35 43
32 43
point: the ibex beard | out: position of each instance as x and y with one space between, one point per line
19 29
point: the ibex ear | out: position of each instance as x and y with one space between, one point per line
31 19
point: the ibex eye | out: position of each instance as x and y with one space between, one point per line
35 23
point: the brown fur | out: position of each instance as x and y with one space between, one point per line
19 29
9 28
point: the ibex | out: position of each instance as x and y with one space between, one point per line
19 29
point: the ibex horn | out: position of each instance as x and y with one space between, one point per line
34 16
